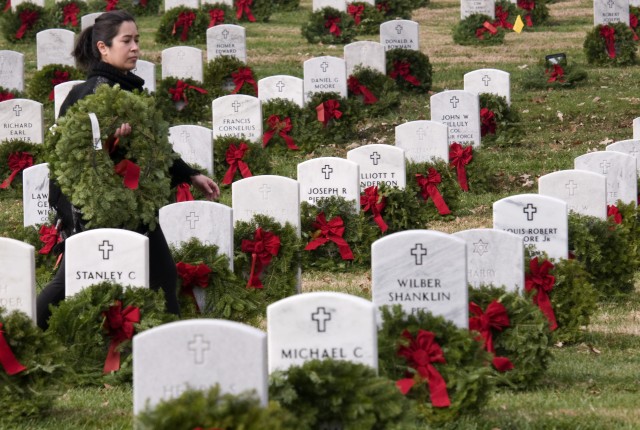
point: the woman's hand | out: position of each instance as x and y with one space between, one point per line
206 185
123 130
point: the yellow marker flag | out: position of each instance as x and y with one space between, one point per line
518 25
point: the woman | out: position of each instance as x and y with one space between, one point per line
109 50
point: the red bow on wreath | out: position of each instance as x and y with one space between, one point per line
428 188
356 12
9 362
282 128
383 7
403 69
420 354
540 280
608 34
242 6
59 77
179 92
633 23
183 193
328 110
502 17
242 76
234 156
49 237
7 6
332 24
330 231
486 27
6 96
557 75
193 276
495 318
359 89
263 248
17 162
612 211
185 20
130 173
70 14
111 5
371 201
488 122
28 19
527 5
216 17
458 158
119 325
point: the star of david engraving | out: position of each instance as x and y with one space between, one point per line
480 248
321 316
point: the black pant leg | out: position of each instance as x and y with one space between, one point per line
162 269
52 294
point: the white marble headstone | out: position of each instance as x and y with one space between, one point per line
194 143
585 192
636 128
89 19
228 40
12 70
380 164
541 221
400 34
147 71
281 87
21 119
423 141
325 75
610 11
421 270
460 111
237 115
620 170
494 257
106 255
54 46
365 54
340 5
198 354
483 7
492 81
182 62
60 93
17 276
324 177
35 195
321 325
170 4
206 2
629 147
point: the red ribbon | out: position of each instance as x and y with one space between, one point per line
556 75
539 279
356 12
216 17
428 188
193 276
495 318
119 325
179 92
70 14
332 24
282 128
633 23
328 110
420 354
383 7
502 17
612 211
17 162
59 77
130 171
370 200
458 158
9 361
265 245
183 193
527 5
49 237
242 6
185 20
244 75
27 20
6 96
330 231
608 34
403 69
234 157
111 5
359 89
488 122
7 6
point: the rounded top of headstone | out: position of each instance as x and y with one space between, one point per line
317 297
204 323
13 244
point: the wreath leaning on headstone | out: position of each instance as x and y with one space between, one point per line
281 127
219 13
286 5
226 75
376 91
634 20
498 121
329 26
236 158
253 10
411 69
15 156
93 179
21 25
40 86
328 118
183 101
182 25
67 14
533 12
611 44
367 17
393 9
478 29
560 75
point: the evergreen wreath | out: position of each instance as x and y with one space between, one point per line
483 174
219 13
526 341
610 45
359 234
9 94
381 86
254 157
561 75
275 112
465 371
417 4
411 69
87 176
286 5
137 7
448 188
80 323
478 29
367 18
534 12
280 276
183 101
22 25
634 15
225 295
329 26
340 394
253 10
33 390
210 409
339 128
15 156
40 86
183 25
499 123
393 9
67 14
221 75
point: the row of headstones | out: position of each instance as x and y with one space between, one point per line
168 4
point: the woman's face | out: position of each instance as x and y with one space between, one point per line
123 52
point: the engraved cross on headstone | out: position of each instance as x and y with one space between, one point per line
280 85
419 252
486 79
17 109
327 170
611 4
265 190
454 101
185 136
324 66
605 166
236 106
192 219
321 316
199 346
105 248
571 186
634 151
530 209
225 34
399 28
421 133
375 157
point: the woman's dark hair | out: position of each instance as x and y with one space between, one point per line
105 28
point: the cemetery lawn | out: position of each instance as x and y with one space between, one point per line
594 384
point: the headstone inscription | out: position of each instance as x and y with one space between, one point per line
340 5
620 170
106 255
421 270
380 164
629 147
494 257
227 2
365 54
281 87
329 176
325 75
585 192
17 276
483 7
89 19
460 111
227 40
194 143
423 141
321 325
182 62
60 93
54 46
170 4
400 34
610 11
237 115
35 195
492 81
541 221
636 128
21 119
198 354
147 71
12 70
